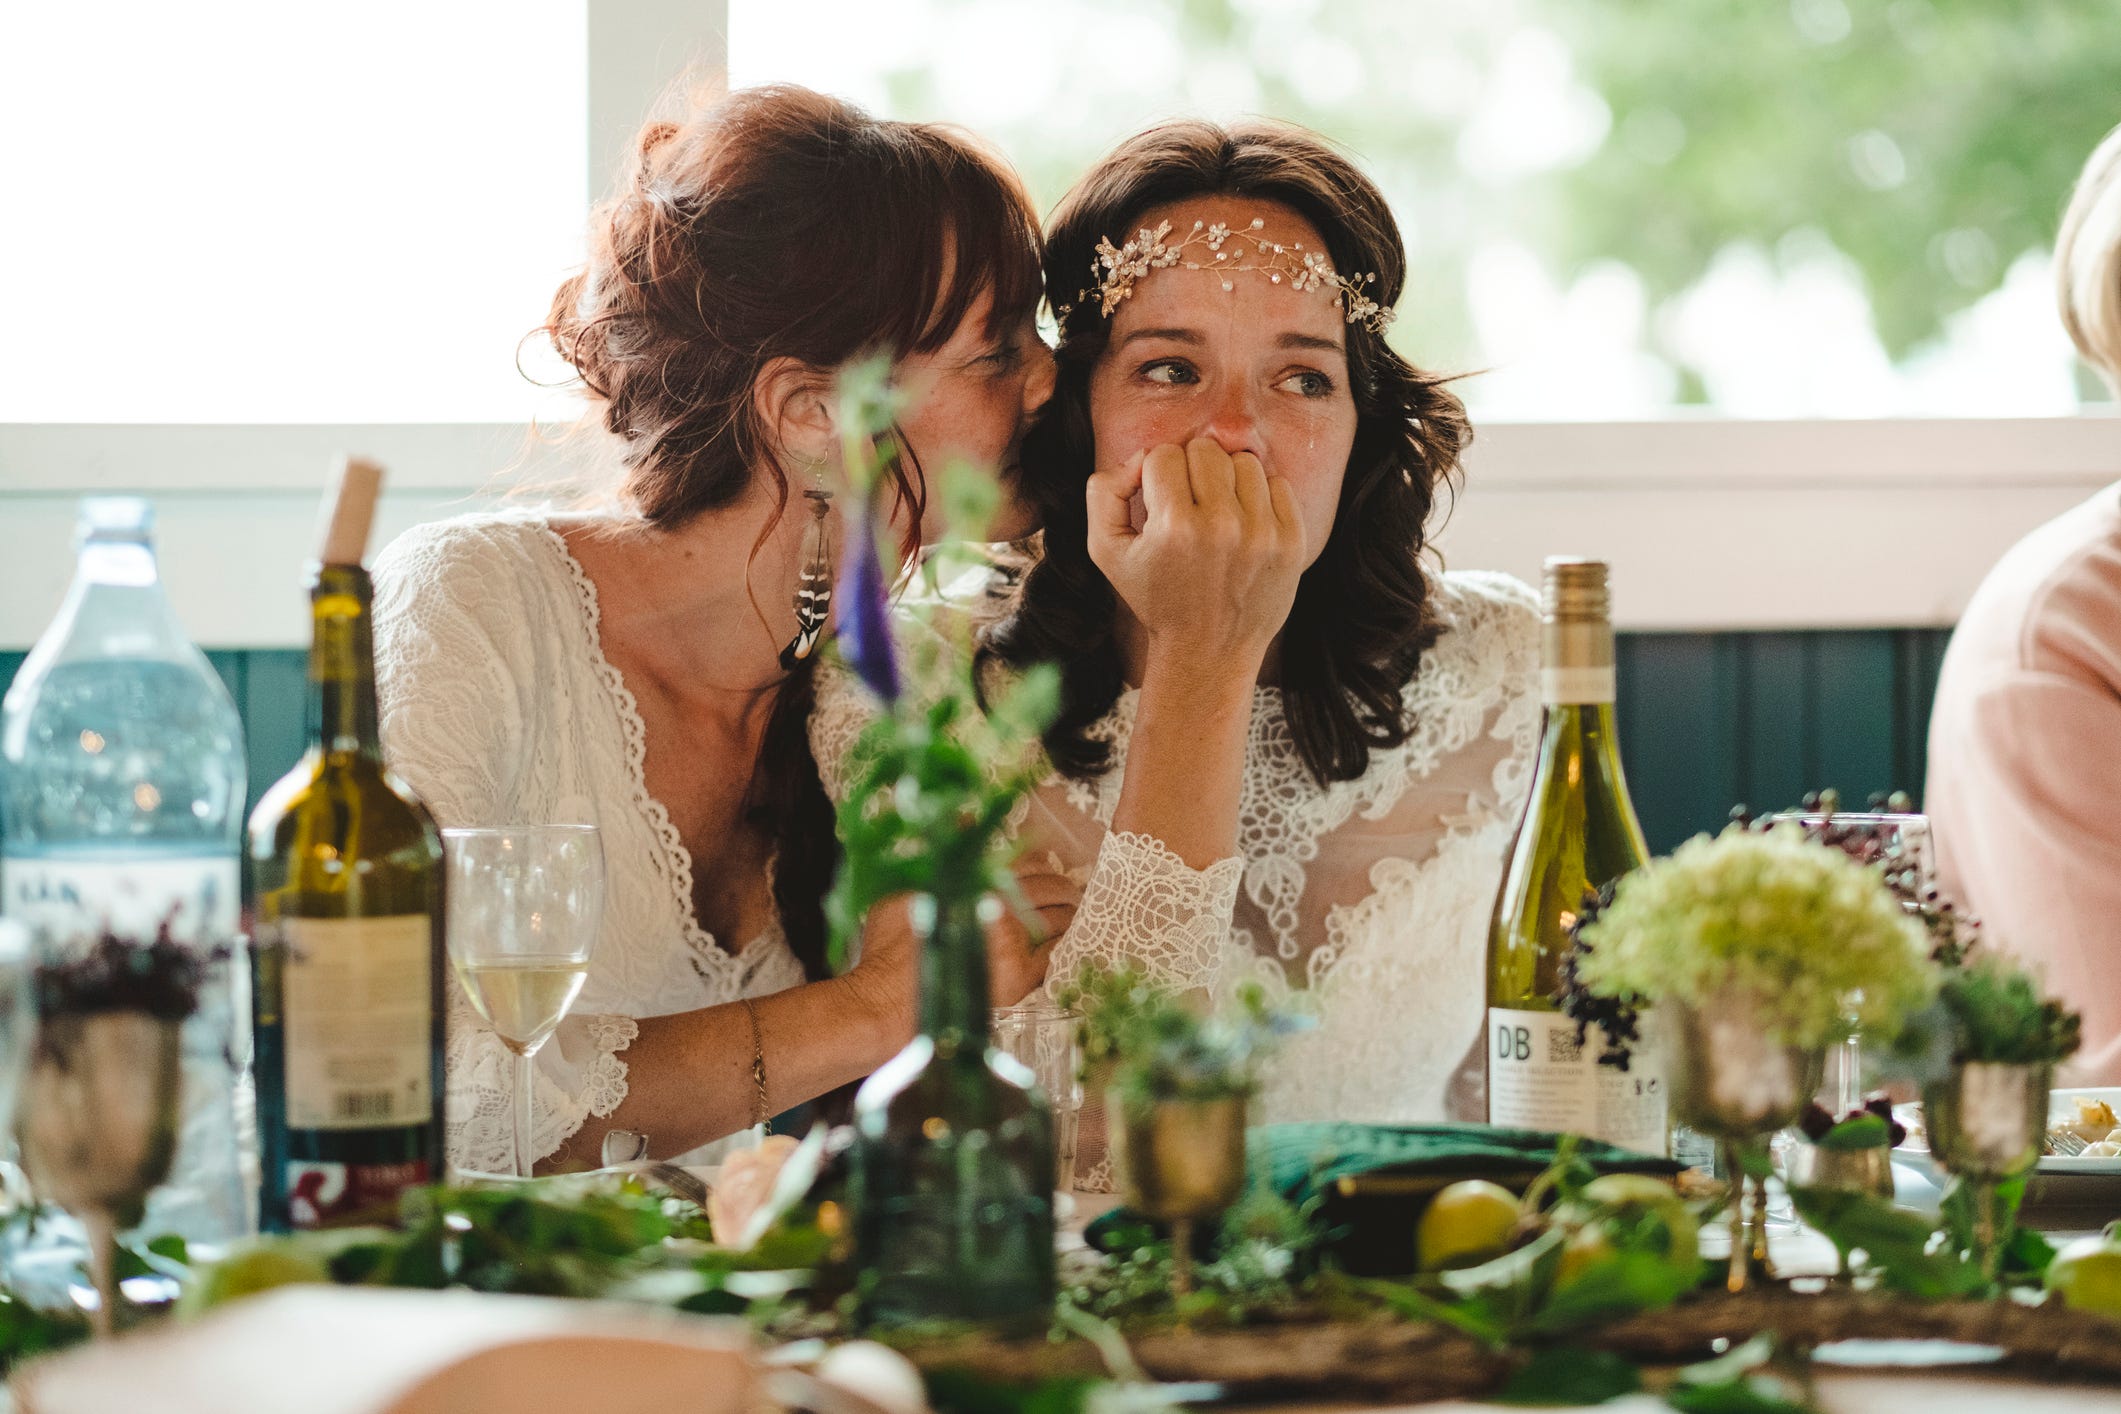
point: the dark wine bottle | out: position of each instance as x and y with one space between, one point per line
347 917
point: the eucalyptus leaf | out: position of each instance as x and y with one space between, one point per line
1897 1245
1622 1283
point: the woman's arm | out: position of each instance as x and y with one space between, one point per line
1207 581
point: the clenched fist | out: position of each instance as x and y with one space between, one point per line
1211 571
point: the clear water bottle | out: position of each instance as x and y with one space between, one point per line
121 809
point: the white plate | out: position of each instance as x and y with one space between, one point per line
2061 1104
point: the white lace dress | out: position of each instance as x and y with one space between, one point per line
1364 903
499 708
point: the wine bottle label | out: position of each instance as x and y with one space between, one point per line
1576 686
330 1195
1541 1077
358 1020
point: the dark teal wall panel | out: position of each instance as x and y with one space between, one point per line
1707 721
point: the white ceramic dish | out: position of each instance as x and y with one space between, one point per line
2061 1104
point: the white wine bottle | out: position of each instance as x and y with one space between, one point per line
347 875
1579 833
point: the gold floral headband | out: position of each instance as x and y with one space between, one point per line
1116 269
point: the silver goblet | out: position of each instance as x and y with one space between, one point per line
1987 1121
1731 1081
99 1125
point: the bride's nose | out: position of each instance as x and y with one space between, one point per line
1232 419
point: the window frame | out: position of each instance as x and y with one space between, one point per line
1711 523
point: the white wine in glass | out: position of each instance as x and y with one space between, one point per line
522 999
524 904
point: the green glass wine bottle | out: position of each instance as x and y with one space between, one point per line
347 914
1579 833
951 1175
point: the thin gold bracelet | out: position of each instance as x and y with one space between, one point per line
761 1114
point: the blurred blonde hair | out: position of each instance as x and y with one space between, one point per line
2088 261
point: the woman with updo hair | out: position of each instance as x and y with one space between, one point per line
1288 753
648 670
2025 737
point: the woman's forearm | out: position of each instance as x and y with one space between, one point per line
1186 758
689 1075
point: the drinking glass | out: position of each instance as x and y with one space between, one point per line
1899 844
1043 1037
524 902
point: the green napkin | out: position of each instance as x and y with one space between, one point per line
1303 1161
1404 1165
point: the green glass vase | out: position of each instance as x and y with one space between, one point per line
951 1176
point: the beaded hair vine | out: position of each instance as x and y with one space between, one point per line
1116 269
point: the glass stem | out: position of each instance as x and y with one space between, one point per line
1734 1176
1181 1256
524 1159
102 1271
1985 1231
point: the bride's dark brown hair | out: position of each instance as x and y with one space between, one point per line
1362 616
778 223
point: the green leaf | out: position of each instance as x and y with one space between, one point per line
1622 1283
1564 1374
1863 1132
1749 1394
1896 1243
1755 1162
964 1392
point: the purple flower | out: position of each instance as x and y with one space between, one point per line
865 617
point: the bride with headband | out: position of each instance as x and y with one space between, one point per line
1288 752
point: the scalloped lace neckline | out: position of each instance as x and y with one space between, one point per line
675 860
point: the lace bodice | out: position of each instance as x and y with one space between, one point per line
499 707
1365 902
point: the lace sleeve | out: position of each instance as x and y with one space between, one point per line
452 648
1144 905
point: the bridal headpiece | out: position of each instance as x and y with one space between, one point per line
1215 246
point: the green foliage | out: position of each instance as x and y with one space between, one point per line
1769 125
1899 1248
1159 1048
1755 1377
927 813
1999 1013
1865 1131
1562 1374
934 784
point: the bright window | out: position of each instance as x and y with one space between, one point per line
1771 208
257 211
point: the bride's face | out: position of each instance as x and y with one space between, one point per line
1252 362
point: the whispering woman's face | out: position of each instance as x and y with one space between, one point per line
1235 355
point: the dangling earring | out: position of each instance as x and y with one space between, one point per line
813 591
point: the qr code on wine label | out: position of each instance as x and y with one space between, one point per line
1563 1046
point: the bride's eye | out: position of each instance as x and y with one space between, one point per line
1170 372
1309 384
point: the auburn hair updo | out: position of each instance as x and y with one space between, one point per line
779 223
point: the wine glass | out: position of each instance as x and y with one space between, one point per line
524 905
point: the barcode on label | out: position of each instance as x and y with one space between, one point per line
364 1104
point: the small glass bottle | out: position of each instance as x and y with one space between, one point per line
951 1176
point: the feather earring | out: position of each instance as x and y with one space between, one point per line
813 590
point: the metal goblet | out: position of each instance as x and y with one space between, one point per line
1730 1080
99 1126
1986 1122
1179 1161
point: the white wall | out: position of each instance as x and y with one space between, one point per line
1710 524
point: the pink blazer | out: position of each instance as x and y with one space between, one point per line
2025 765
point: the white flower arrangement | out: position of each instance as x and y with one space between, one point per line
1811 934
